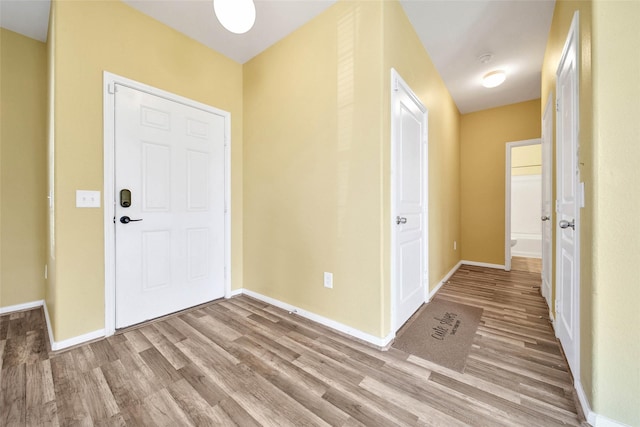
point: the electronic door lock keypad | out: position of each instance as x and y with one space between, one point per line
125 198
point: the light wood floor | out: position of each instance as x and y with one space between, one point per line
242 362
532 265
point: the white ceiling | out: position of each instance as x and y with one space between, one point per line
455 33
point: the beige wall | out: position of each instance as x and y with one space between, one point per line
317 164
404 52
313 159
526 160
142 49
562 16
22 168
616 211
483 139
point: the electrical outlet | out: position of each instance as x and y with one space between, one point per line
455 245
328 280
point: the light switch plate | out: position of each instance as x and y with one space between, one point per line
87 199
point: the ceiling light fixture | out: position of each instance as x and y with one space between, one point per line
237 16
494 78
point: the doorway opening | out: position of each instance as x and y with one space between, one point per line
523 199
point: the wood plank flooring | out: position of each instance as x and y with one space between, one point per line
243 362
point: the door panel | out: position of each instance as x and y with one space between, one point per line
547 211
171 157
568 214
410 189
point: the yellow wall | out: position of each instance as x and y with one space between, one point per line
562 16
616 211
404 52
91 37
23 168
526 160
312 156
317 153
483 138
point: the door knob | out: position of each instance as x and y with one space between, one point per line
545 217
401 220
567 224
127 220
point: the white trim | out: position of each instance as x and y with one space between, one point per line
80 339
444 280
482 264
47 320
573 40
235 293
593 418
396 83
507 196
356 333
547 174
21 307
109 82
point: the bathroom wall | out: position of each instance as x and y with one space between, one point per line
526 196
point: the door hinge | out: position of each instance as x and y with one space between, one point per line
111 88
396 86
557 307
557 105
557 206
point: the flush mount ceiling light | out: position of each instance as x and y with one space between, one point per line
237 16
494 78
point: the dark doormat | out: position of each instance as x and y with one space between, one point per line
441 333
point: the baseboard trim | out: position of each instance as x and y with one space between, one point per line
80 339
236 293
482 264
47 320
444 280
340 327
20 307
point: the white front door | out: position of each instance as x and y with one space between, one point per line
169 241
568 202
409 191
547 196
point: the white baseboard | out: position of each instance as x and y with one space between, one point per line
356 333
596 420
80 339
21 307
48 322
60 345
236 293
444 280
482 264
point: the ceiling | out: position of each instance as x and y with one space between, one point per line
455 33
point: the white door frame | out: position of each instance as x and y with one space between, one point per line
396 83
572 44
109 82
547 174
507 197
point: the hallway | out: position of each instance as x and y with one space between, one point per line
243 362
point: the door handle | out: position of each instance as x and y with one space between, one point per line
545 217
567 224
127 220
401 220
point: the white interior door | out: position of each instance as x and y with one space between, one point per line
170 255
547 196
568 202
409 124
